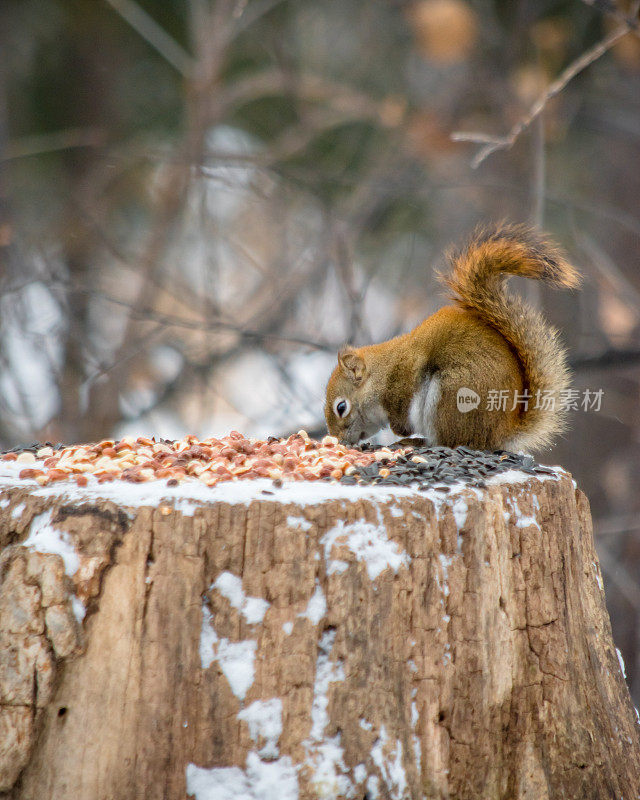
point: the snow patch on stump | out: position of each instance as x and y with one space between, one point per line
236 659
253 609
369 544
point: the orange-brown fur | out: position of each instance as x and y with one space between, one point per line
487 341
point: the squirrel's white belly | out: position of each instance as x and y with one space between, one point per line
422 411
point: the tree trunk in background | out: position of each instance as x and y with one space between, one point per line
381 647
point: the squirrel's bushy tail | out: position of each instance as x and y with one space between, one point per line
476 280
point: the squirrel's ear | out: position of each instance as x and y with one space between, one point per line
352 364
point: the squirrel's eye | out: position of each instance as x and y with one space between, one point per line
341 407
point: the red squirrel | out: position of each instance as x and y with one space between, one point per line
441 380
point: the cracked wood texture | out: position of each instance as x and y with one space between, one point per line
455 648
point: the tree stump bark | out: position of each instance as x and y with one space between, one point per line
317 642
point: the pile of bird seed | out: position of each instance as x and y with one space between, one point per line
440 467
210 461
409 462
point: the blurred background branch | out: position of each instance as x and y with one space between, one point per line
491 143
144 24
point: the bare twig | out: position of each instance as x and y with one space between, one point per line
539 176
617 524
246 15
623 287
52 142
309 87
142 313
490 144
155 35
611 9
179 175
609 359
133 349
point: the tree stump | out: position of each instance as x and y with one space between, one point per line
318 641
